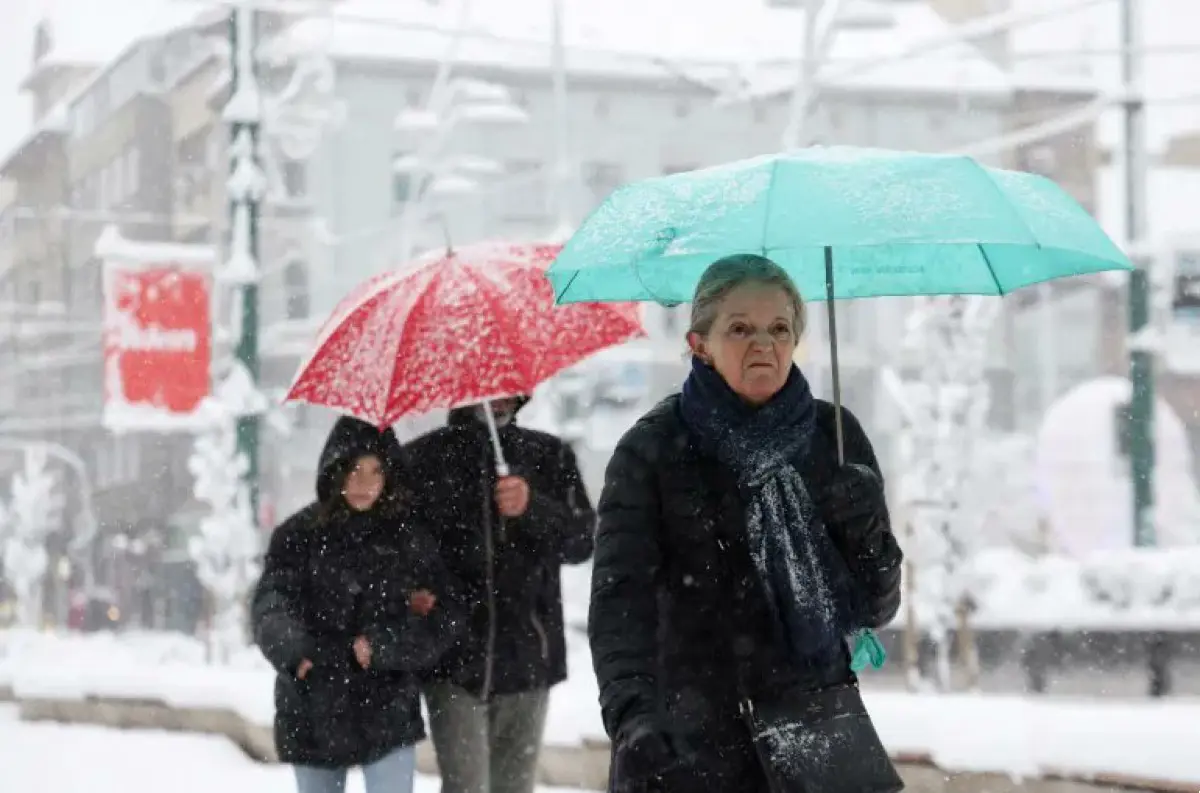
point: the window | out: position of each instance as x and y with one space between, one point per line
1039 159
118 460
295 289
295 179
116 180
525 199
404 179
83 117
133 170
602 178
1186 297
672 319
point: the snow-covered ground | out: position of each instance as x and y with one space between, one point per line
53 758
1023 736
171 669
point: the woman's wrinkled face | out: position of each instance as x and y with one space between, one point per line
364 483
752 341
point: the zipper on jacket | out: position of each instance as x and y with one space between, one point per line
489 549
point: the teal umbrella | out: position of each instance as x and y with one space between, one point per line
844 222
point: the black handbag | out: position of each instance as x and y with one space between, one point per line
816 741
820 742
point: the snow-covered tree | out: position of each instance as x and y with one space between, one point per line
226 549
945 410
34 513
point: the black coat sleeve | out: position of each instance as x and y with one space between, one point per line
562 521
404 641
623 617
872 553
275 610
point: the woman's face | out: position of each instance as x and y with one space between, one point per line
364 483
752 341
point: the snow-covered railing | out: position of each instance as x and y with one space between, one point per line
1136 590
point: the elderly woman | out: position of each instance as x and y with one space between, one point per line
734 558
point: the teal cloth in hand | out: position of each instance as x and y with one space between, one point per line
868 650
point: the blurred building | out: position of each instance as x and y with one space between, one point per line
133 136
632 113
101 151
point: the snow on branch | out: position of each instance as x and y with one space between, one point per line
943 406
35 512
226 548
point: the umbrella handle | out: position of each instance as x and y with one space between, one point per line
502 469
831 312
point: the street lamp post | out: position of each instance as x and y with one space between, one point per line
1141 355
246 188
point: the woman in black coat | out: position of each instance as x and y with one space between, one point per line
734 559
348 612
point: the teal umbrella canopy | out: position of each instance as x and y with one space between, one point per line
844 222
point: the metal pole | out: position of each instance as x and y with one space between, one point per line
562 165
243 41
1141 358
797 132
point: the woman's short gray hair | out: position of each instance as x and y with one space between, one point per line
727 274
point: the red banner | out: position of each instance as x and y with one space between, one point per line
157 340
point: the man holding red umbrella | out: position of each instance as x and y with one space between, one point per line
505 539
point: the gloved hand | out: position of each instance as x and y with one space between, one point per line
646 750
853 493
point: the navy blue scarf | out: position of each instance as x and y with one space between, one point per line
803 576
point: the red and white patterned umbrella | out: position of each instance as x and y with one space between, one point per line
452 329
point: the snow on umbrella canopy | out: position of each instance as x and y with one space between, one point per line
451 329
844 222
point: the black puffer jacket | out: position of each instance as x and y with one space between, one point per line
509 571
329 576
679 625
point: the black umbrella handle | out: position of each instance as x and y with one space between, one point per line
831 312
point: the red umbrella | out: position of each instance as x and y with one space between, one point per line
453 329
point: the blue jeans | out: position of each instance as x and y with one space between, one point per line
392 773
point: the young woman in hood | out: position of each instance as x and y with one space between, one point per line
350 609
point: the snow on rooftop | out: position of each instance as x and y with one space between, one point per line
645 38
89 32
918 52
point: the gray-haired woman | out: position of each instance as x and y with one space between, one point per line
734 558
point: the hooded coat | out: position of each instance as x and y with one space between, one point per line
508 570
330 575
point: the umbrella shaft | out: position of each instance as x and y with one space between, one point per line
501 465
831 312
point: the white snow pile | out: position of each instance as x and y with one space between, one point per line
1113 590
137 665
